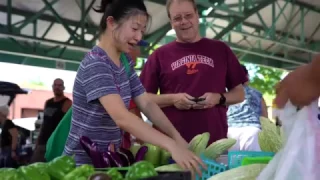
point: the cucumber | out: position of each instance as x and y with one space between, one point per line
219 147
199 143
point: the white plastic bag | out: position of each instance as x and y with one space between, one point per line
300 157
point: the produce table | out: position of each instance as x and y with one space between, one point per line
64 168
150 162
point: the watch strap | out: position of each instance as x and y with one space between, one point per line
222 100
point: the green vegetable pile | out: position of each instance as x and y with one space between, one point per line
271 139
64 168
155 155
61 168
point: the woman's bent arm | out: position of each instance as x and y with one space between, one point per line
132 124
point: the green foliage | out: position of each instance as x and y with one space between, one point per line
33 84
37 83
264 79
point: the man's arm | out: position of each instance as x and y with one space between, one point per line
149 77
66 106
40 129
235 77
14 134
235 95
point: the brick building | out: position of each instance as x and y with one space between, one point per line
29 105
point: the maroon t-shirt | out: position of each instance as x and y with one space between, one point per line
195 68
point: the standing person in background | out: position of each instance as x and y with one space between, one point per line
9 140
244 119
54 110
193 67
103 90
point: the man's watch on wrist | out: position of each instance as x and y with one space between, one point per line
222 100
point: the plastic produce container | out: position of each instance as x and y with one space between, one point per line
255 160
235 157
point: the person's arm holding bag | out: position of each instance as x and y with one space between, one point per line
301 86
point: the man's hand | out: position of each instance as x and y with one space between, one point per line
210 100
298 87
183 101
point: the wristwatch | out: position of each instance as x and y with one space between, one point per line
222 100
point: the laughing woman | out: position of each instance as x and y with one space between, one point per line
102 91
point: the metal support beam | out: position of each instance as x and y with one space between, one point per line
264 44
14 29
267 39
26 45
248 13
155 38
284 49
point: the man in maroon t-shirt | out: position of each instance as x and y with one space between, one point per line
193 67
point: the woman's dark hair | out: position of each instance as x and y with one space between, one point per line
119 10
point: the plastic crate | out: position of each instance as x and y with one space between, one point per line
161 175
213 168
235 157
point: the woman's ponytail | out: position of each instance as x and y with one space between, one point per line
103 6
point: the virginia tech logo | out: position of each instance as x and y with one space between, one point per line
191 62
192 67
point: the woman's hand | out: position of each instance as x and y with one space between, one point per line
186 159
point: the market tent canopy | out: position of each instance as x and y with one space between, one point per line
26 123
8 92
56 34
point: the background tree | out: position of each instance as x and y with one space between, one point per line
264 79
